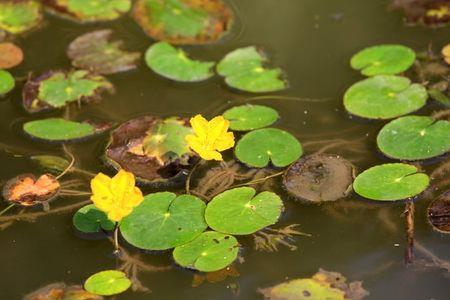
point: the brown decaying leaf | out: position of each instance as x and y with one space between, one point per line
10 55
432 13
60 291
439 213
214 277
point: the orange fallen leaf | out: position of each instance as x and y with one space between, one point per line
10 55
26 190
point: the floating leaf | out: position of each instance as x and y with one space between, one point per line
414 138
107 283
55 89
438 213
27 190
239 211
383 60
257 148
90 219
7 82
390 182
61 130
89 10
183 21
60 291
243 70
211 251
384 97
18 16
174 64
164 221
11 55
51 163
319 177
249 117
163 158
439 96
96 52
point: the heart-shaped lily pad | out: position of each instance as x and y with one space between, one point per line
384 97
391 182
244 70
319 177
7 82
257 148
89 10
183 21
438 213
211 251
11 55
239 211
90 219
250 117
61 130
107 283
56 89
383 60
414 138
174 64
163 221
95 51
19 16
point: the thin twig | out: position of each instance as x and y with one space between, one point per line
72 161
255 181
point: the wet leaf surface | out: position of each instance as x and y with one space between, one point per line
10 55
60 291
250 117
7 82
107 283
90 219
438 213
18 16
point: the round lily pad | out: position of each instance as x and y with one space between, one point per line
257 148
239 211
438 213
391 182
211 251
414 138
384 97
183 21
319 177
249 117
7 82
163 221
11 55
107 283
89 10
383 60
18 16
55 89
244 70
90 219
61 130
174 64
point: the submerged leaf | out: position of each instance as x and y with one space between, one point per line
107 283
7 82
60 291
90 219
10 55
18 16
438 213
430 13
51 163
250 117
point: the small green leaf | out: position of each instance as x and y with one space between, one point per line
250 117
439 97
51 163
90 219
19 16
7 82
107 283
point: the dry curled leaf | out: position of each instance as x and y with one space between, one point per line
27 190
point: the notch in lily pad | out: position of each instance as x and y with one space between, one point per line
19 16
250 117
90 219
414 138
384 97
244 70
260 147
174 64
7 82
60 130
211 251
107 283
183 21
391 182
383 60
240 211
56 89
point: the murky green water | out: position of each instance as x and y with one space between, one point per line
312 41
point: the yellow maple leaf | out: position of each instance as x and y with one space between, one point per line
210 138
116 196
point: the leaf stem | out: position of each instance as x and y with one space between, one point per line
72 161
7 208
116 239
257 180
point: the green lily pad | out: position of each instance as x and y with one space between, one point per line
257 148
211 251
163 221
414 138
250 117
239 211
7 82
383 60
96 52
54 164
61 130
243 70
384 97
183 21
89 10
53 90
89 219
107 283
391 182
172 63
19 16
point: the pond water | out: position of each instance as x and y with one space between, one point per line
312 41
